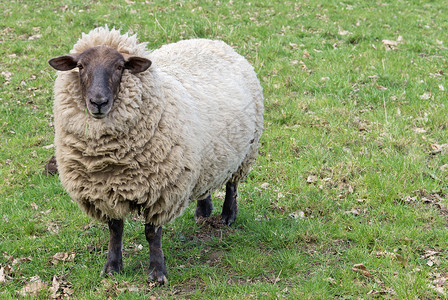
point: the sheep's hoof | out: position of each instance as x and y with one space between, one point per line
111 268
204 209
228 219
157 276
228 215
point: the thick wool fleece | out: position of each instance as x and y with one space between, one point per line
176 132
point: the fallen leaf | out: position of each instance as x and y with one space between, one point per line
425 96
354 211
385 293
440 283
60 289
264 185
62 256
8 257
4 271
429 253
293 45
344 32
311 179
35 37
436 148
361 269
33 288
391 45
7 75
296 215
444 167
419 130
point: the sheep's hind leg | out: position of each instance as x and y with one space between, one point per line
114 261
204 208
157 268
230 207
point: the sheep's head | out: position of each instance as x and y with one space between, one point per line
100 72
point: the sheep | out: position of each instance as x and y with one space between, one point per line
151 131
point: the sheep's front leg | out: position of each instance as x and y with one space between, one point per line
230 207
114 261
157 268
204 208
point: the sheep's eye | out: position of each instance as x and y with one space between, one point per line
119 68
80 66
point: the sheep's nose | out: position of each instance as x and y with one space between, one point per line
99 101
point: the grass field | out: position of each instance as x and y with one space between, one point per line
348 198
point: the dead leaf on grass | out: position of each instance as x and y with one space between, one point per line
297 215
432 258
293 45
361 269
60 289
392 45
114 287
436 149
4 271
8 257
311 179
331 281
443 167
392 255
7 75
264 185
33 288
429 253
384 293
440 283
425 96
62 256
35 37
344 32
419 130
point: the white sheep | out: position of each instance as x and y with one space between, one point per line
149 132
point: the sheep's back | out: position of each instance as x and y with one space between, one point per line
222 90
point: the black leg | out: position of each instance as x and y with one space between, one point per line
204 208
230 207
114 261
157 268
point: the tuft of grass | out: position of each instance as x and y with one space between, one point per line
352 166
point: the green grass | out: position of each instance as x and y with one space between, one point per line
347 172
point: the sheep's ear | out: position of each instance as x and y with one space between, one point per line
64 62
136 64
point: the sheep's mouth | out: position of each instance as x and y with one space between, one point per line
99 115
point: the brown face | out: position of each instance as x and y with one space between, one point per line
100 71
